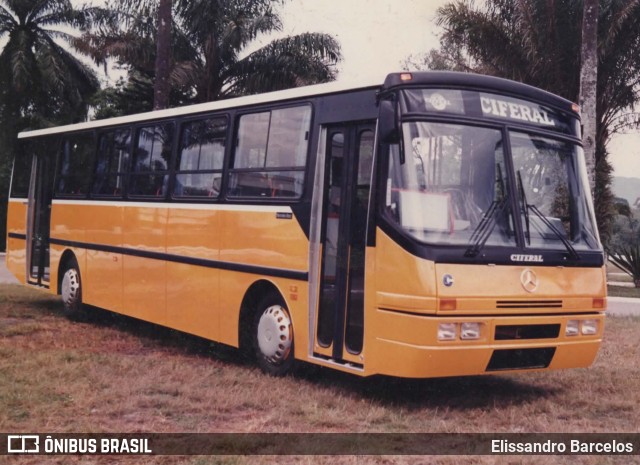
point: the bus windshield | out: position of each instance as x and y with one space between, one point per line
451 177
552 193
450 185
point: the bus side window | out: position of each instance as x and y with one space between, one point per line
111 164
75 165
200 158
271 154
22 169
150 162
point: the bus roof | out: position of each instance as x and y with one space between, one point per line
475 82
276 96
417 78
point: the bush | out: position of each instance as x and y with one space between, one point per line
624 246
627 258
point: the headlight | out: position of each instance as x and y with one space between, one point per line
470 331
573 328
589 327
447 331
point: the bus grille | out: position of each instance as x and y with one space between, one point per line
511 332
529 304
512 359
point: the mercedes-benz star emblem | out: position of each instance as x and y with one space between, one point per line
529 280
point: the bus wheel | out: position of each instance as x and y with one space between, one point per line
273 337
71 290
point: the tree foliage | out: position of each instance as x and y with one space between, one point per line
539 43
40 76
42 81
211 49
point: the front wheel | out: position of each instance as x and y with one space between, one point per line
273 337
71 291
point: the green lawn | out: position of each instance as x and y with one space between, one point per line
117 374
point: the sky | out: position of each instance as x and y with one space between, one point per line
377 36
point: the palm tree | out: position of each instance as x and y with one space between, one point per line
39 75
163 56
540 43
208 49
589 84
41 81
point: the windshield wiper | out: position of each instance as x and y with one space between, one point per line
483 231
555 231
525 208
481 234
525 211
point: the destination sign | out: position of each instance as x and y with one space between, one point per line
493 106
486 105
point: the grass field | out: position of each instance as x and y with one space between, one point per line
116 374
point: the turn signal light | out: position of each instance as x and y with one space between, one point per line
448 304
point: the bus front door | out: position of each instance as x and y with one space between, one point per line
347 177
40 194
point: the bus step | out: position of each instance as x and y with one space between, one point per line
341 363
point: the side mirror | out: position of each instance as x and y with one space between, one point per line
388 129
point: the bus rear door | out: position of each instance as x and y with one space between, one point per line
39 224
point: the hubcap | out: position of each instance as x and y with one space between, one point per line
70 287
274 334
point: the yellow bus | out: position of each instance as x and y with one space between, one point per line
436 224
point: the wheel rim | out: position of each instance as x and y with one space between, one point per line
71 287
274 334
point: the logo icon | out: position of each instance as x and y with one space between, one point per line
447 280
438 101
529 280
23 444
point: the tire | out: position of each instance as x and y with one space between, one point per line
272 336
71 292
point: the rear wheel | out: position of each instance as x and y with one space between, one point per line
71 291
273 336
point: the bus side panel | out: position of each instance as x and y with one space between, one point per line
403 282
233 288
193 300
103 280
68 223
144 278
17 247
296 295
259 238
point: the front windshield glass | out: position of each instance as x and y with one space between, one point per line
451 185
552 193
